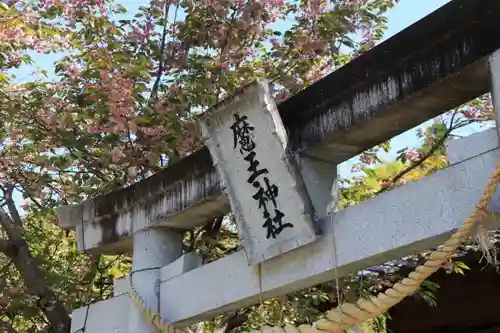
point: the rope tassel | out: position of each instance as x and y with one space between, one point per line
349 315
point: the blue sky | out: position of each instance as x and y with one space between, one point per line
404 14
408 12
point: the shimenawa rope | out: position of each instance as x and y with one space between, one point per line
349 315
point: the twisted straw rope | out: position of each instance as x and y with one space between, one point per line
348 315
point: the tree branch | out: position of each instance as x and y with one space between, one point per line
32 274
7 327
222 48
235 320
9 200
9 226
156 85
427 155
5 245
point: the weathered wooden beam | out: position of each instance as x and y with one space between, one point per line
428 68
412 218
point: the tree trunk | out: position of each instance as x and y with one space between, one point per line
34 278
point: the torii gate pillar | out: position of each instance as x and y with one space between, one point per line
153 249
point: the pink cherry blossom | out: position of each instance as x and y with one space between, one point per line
412 155
116 155
132 172
74 71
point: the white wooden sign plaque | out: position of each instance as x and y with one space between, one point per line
248 142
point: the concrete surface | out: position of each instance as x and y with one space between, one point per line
415 217
109 316
153 249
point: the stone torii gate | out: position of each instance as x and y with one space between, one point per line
297 236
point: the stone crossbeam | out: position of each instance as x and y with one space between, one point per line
432 66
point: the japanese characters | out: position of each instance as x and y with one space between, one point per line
265 192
